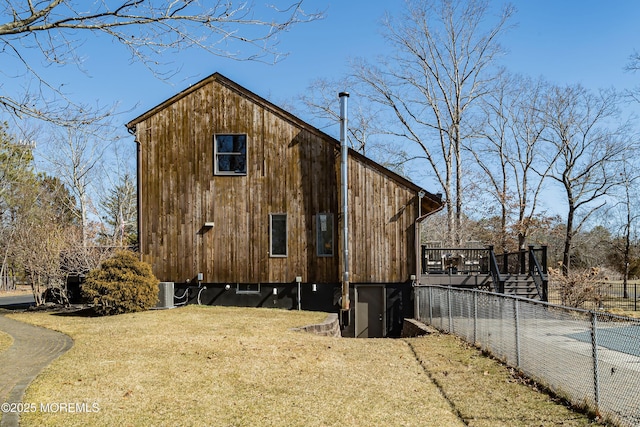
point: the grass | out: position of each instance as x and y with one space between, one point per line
486 393
5 341
19 290
244 367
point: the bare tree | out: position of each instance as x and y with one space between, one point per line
628 213
120 209
321 101
492 150
440 69
633 65
74 155
508 152
364 134
17 181
586 152
148 29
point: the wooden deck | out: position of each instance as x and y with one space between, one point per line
521 273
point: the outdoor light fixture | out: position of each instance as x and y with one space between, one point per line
275 291
314 287
227 287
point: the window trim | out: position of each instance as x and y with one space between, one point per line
216 154
330 219
286 235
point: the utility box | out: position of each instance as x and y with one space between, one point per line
165 295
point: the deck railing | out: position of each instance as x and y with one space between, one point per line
457 260
525 262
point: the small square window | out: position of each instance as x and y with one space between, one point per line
278 235
230 154
324 234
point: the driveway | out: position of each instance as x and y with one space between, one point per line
32 350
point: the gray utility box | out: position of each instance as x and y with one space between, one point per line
165 295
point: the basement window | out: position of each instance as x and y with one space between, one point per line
248 288
324 234
230 154
278 235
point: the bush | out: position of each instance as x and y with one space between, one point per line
579 288
122 284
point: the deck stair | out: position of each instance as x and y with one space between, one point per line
522 285
522 273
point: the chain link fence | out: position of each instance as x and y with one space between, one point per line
589 357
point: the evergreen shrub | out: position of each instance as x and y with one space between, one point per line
122 284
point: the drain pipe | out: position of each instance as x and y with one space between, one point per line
344 149
134 131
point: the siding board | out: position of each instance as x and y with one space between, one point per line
292 168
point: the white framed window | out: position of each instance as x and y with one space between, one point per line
324 235
278 235
230 154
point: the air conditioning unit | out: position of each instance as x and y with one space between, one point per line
165 295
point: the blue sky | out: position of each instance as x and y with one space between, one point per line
568 41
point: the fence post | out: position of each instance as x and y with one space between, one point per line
505 264
475 316
416 302
517 330
449 310
594 351
430 306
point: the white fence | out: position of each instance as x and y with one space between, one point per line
591 358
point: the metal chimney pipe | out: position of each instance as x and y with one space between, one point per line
344 172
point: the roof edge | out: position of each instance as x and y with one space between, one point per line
436 201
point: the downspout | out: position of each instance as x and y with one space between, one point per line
418 238
344 181
133 131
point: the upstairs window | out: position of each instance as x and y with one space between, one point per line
230 154
278 235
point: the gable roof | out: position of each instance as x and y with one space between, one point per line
430 202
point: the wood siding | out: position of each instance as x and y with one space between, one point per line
292 168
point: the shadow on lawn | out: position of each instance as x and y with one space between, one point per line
75 312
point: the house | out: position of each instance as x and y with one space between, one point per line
239 204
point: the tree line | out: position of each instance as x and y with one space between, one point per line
51 225
439 106
497 145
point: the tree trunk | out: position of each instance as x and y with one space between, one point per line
566 254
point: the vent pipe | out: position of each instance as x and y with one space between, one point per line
344 181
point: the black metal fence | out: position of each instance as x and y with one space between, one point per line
605 295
